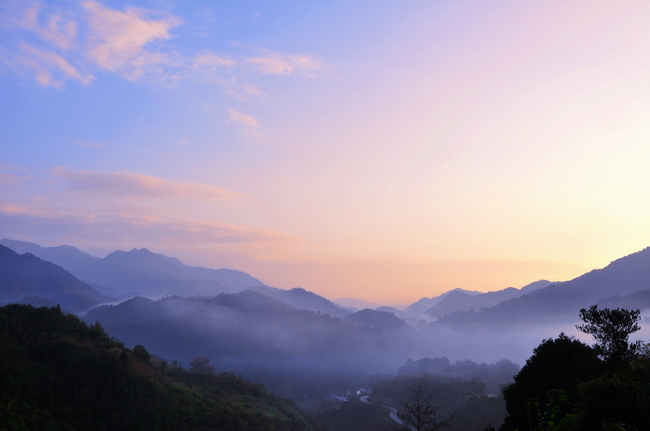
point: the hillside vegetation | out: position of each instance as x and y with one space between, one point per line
57 373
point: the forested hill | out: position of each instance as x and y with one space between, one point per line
57 373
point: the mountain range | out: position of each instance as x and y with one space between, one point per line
139 272
245 324
624 278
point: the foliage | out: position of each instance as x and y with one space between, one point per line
553 413
141 353
56 373
611 328
584 393
560 364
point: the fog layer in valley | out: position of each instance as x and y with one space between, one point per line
298 343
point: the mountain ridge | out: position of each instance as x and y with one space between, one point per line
25 277
140 271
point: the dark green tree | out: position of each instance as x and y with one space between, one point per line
611 328
556 364
141 353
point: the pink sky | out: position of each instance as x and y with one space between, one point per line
380 150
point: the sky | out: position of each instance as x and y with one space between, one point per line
382 150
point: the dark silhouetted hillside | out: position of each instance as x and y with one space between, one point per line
27 276
56 373
140 271
68 257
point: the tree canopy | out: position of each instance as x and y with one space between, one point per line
556 364
568 385
611 328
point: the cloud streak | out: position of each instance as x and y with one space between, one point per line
108 211
47 65
248 123
114 229
275 63
129 186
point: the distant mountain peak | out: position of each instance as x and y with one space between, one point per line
27 276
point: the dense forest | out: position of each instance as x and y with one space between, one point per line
58 373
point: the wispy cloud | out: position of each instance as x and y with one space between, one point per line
74 41
275 63
210 62
113 228
109 211
247 123
49 65
117 39
126 185
59 30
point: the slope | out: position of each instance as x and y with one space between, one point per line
26 277
59 374
560 302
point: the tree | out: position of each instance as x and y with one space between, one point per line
201 365
556 364
419 413
141 353
611 329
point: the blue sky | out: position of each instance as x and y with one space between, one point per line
385 150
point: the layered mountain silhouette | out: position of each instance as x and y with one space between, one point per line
560 302
68 257
27 278
245 321
460 300
139 271
303 300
